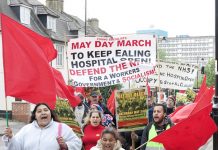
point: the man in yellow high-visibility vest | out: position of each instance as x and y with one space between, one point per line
159 124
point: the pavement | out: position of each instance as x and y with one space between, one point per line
16 126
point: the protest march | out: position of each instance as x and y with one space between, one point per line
118 92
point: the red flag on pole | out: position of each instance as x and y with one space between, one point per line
202 89
189 134
111 102
27 72
63 90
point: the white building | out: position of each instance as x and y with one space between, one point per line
189 49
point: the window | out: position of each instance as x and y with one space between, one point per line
24 15
51 23
8 2
60 55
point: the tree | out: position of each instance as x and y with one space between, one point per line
190 95
210 72
106 91
162 54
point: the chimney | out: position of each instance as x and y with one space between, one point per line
93 22
57 5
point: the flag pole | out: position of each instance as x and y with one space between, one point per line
85 18
158 59
158 65
2 71
215 99
6 111
141 145
65 48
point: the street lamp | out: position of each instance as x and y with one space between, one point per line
202 59
162 40
215 100
85 18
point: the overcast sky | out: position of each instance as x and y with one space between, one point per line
178 17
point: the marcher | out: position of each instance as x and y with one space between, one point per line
170 104
150 105
92 129
107 120
44 132
94 99
81 110
160 123
109 140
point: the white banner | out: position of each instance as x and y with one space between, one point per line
105 61
172 75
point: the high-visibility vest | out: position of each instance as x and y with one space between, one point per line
154 145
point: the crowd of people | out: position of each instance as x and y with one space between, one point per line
98 124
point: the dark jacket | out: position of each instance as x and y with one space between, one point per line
126 139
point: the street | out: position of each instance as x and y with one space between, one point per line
17 125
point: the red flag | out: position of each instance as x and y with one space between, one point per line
190 109
73 101
80 90
204 100
111 102
181 91
183 113
63 91
59 82
71 90
148 87
190 134
27 72
177 109
202 89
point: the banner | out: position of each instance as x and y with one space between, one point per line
131 109
105 61
66 115
172 75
